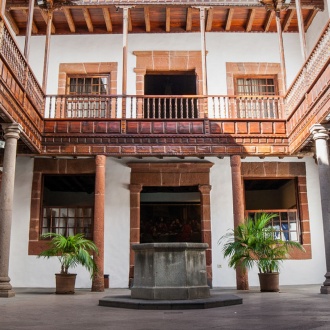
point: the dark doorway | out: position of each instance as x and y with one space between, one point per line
170 85
170 214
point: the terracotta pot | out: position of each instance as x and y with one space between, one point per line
269 282
65 283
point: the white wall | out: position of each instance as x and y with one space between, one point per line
32 272
317 26
292 271
221 48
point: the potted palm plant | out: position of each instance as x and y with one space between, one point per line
71 251
255 242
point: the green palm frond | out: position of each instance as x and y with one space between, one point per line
71 251
254 243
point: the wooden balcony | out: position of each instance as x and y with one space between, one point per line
160 126
163 107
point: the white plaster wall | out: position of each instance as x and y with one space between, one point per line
292 271
28 271
221 48
317 26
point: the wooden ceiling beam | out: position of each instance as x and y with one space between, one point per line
209 20
229 18
168 19
287 19
45 17
88 19
130 25
270 16
309 18
34 26
147 18
107 19
252 14
69 20
189 19
12 22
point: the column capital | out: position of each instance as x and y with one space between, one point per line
235 161
100 160
319 132
135 188
11 130
204 188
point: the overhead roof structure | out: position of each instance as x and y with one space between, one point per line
158 16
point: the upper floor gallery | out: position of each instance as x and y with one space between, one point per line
159 78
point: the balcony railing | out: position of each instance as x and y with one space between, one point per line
14 59
308 74
163 107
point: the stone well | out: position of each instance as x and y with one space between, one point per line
170 271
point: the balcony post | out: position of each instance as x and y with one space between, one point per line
242 281
302 35
280 41
98 231
3 7
12 133
124 75
202 11
321 137
28 30
47 48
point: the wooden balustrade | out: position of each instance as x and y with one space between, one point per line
308 74
16 62
163 107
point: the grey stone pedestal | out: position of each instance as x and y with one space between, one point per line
170 271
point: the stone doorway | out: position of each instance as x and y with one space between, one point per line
170 214
171 175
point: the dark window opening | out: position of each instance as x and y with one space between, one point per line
68 204
170 214
275 196
175 88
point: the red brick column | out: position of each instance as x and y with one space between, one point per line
98 232
134 223
242 281
206 227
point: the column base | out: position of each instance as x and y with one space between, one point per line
6 290
325 288
7 293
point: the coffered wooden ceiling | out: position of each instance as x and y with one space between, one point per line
106 16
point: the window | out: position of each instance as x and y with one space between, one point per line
285 224
255 86
275 196
88 85
68 204
85 96
256 97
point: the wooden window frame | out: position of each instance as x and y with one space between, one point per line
86 76
249 76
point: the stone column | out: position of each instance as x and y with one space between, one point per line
320 136
206 227
98 232
238 208
11 134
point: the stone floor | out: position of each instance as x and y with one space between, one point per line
295 307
